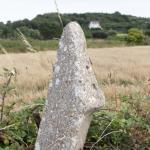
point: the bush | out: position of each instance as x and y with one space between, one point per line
99 34
120 37
112 33
126 129
135 36
146 40
19 129
147 32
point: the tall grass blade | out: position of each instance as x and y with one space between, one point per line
58 13
25 41
3 49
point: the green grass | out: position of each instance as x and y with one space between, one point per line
41 45
13 45
17 46
97 43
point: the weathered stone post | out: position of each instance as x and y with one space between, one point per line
72 97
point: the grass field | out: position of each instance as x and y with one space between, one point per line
118 70
123 74
17 46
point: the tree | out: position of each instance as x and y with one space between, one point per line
48 25
2 26
50 30
29 32
7 32
135 36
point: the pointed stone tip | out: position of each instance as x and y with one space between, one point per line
74 28
73 38
73 24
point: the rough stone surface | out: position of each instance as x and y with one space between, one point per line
72 97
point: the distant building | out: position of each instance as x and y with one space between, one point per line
94 25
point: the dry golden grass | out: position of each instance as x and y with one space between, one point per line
119 71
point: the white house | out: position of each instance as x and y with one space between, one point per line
95 25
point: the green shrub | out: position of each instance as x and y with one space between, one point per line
135 36
19 130
125 129
121 36
147 32
112 33
146 40
99 34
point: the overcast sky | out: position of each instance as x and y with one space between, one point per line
20 9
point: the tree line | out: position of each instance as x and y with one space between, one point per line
47 26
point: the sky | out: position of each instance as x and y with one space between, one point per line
20 9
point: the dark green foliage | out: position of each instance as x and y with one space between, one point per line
29 32
48 26
50 31
98 34
88 33
147 32
147 25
